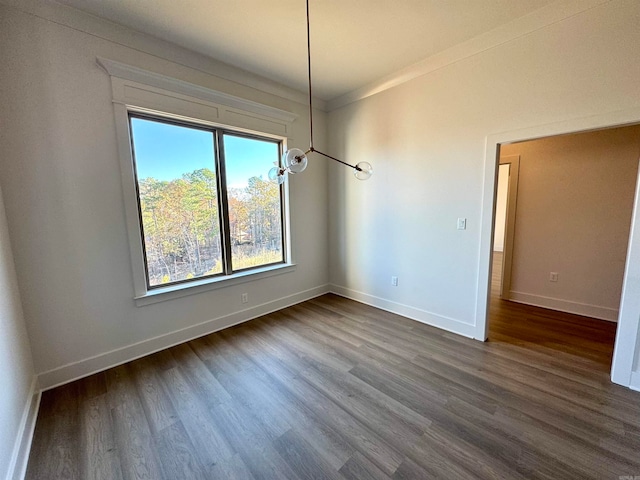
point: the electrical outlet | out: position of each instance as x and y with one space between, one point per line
462 224
244 297
553 276
394 281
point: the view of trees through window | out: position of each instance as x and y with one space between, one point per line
180 205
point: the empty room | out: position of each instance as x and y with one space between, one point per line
255 240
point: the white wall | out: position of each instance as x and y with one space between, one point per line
575 200
501 207
426 139
16 367
64 198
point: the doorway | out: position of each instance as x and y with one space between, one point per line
575 206
626 341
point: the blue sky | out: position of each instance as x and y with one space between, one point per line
165 152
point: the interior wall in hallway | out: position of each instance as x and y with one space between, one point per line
575 201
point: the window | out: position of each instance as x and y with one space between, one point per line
205 206
194 163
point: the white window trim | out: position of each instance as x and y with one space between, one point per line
137 90
197 286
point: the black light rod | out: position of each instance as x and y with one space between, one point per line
337 160
310 94
311 149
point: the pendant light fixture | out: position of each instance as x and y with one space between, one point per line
295 160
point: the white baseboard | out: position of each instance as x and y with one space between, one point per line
423 316
89 366
22 447
593 311
635 381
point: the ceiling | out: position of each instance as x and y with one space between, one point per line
353 42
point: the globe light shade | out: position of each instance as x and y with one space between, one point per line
294 160
363 171
275 176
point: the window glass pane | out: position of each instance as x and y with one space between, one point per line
255 212
177 185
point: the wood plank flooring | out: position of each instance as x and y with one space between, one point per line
333 389
551 331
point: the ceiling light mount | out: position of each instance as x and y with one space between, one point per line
295 160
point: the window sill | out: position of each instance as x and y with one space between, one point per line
199 286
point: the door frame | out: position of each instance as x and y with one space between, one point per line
627 335
510 222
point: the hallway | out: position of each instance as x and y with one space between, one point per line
544 331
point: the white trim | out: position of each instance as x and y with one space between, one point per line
510 221
22 446
422 316
145 77
635 381
628 334
191 288
629 317
569 306
543 17
88 366
127 176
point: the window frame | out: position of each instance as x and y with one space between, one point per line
142 92
219 162
283 230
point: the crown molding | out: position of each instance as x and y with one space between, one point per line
116 33
135 74
541 18
113 32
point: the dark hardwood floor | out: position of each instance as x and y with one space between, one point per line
333 389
